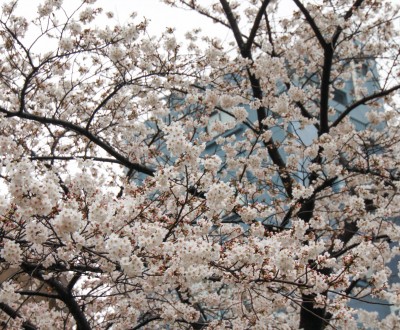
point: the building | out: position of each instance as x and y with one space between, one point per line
340 101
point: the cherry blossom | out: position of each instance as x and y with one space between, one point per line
153 182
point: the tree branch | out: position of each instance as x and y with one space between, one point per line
39 294
96 159
64 294
147 321
363 101
235 28
11 312
103 103
256 25
312 23
82 131
68 299
215 19
349 13
258 94
324 91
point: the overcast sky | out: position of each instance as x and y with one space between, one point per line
159 14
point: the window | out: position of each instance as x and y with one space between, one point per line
340 97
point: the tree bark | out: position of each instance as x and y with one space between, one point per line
311 318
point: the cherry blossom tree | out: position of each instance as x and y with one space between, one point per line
152 183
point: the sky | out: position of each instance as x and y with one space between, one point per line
159 14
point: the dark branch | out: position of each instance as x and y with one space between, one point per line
364 101
82 131
349 13
38 294
312 23
64 294
307 204
73 281
96 159
254 29
325 86
258 94
68 299
146 321
233 24
11 312
103 103
214 19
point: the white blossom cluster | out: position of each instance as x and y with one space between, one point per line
157 182
218 196
176 140
7 293
132 266
118 247
42 192
11 252
67 221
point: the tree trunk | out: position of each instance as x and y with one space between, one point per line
311 318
